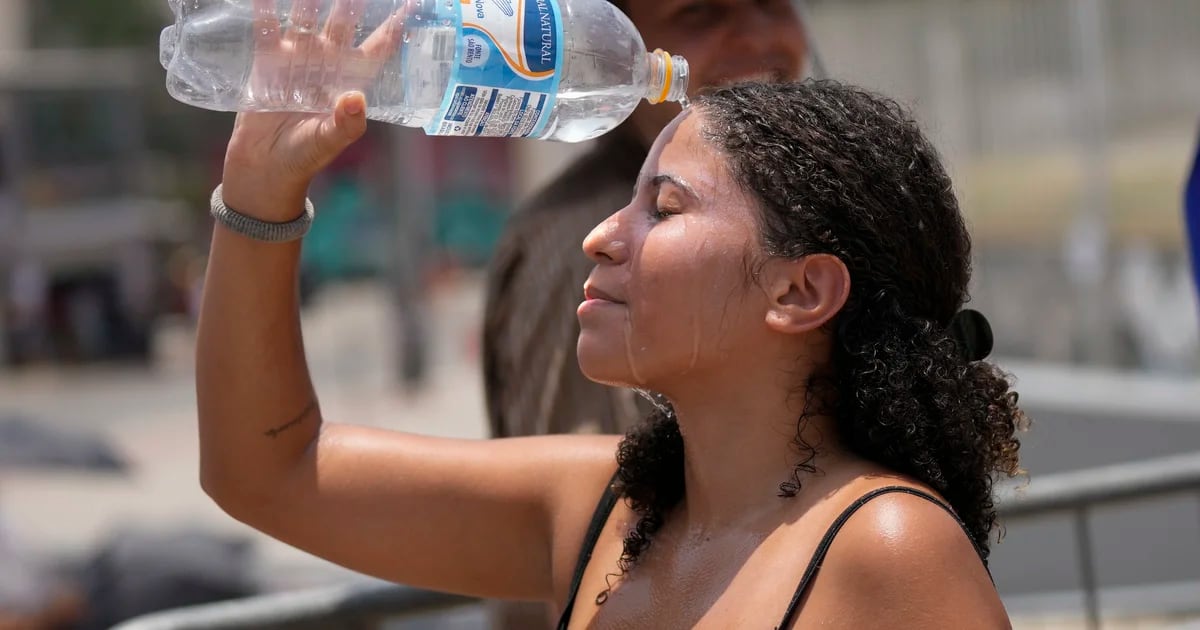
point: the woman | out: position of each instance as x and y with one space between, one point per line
785 280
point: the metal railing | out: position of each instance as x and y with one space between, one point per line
368 606
354 607
1079 492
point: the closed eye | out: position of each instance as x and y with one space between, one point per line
670 195
661 214
666 205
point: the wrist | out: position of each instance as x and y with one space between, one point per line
257 229
265 202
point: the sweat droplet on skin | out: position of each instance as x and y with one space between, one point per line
695 344
657 400
694 320
630 355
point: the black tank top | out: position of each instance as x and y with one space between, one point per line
609 500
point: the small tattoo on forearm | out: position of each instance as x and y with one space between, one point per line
274 433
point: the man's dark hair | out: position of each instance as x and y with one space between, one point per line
841 171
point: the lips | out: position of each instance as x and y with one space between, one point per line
591 292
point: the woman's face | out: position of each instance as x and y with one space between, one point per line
670 296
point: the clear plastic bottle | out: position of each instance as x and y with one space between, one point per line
565 70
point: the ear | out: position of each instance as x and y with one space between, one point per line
805 293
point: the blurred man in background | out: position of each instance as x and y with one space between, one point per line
533 383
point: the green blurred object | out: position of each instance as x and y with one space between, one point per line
346 240
468 226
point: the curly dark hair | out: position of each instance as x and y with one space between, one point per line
841 171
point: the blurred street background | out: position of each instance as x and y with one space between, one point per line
1069 127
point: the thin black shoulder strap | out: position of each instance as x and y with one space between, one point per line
599 518
818 557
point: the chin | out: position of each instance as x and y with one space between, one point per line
599 370
603 362
612 378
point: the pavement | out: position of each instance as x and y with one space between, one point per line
149 413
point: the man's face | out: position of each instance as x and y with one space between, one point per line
724 41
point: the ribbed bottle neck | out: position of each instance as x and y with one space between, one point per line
669 76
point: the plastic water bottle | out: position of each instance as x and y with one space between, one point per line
566 70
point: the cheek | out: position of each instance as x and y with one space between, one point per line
689 289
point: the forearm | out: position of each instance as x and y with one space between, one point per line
257 409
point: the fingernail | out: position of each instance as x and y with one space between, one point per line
354 105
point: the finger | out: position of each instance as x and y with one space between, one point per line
343 22
304 19
386 39
348 123
266 23
301 85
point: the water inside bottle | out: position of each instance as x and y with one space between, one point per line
213 62
410 90
582 114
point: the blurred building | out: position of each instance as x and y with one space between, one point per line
83 244
13 25
1068 127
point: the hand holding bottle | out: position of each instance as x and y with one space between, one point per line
273 156
566 70
305 63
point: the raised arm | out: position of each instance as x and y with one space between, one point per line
497 519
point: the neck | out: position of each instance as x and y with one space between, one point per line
739 449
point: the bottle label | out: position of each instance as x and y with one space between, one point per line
507 72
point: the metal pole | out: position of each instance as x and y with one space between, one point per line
415 199
1087 569
816 61
12 208
8 227
13 33
946 57
1088 241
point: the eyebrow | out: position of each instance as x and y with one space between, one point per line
666 178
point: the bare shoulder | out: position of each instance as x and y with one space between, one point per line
579 492
576 471
906 557
903 526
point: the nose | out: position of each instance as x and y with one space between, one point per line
606 244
